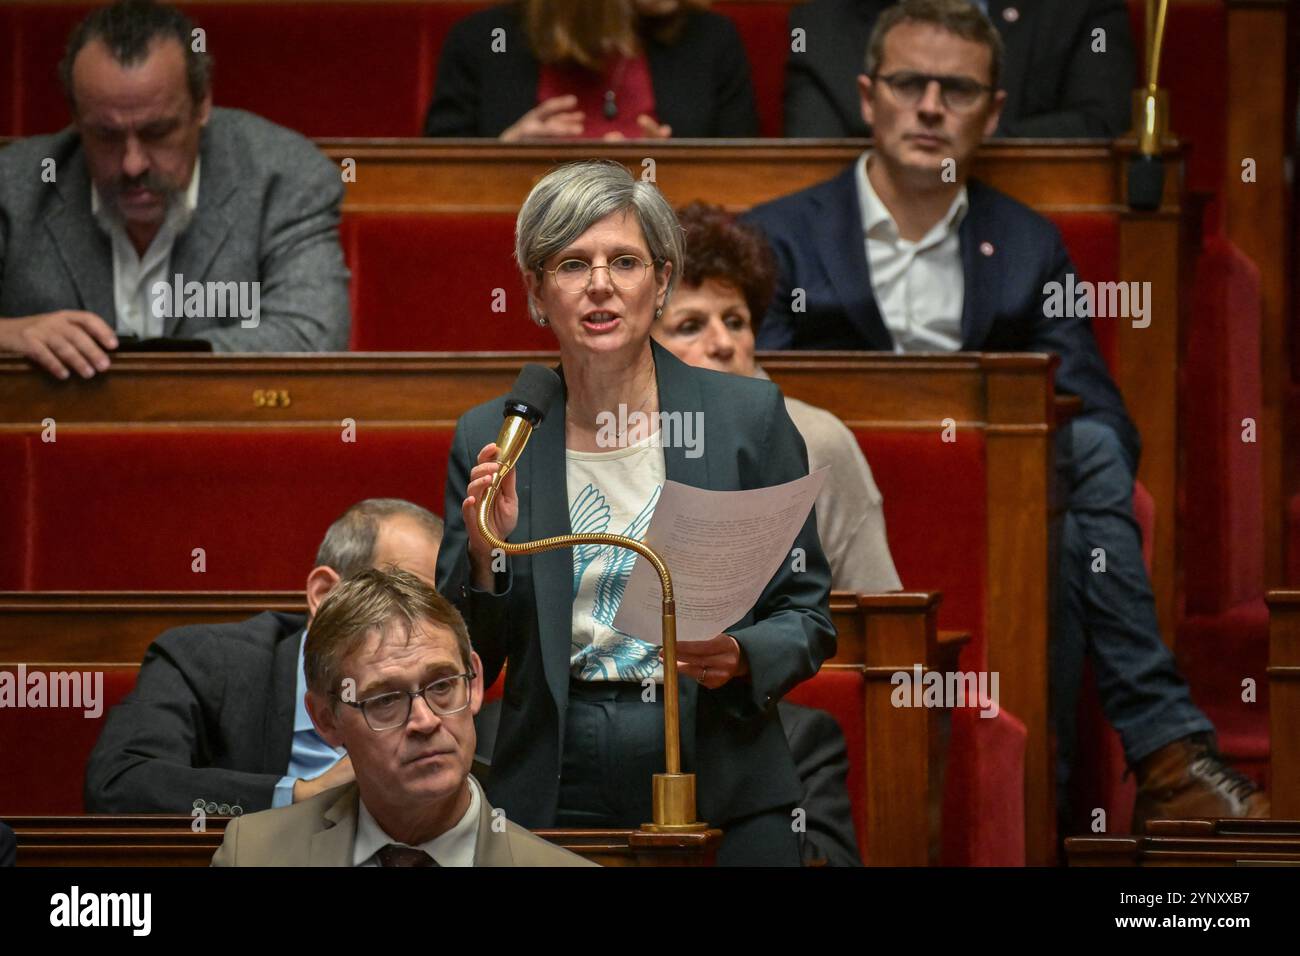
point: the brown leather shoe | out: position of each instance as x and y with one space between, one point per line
1189 778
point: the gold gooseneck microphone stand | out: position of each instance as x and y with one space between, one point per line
1150 103
674 791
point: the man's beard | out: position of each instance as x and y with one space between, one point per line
152 181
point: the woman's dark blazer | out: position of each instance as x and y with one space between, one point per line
731 737
701 80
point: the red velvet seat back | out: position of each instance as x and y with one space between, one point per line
125 510
1092 240
29 56
764 29
937 522
338 69
434 281
1223 535
45 749
8 28
430 282
13 510
324 70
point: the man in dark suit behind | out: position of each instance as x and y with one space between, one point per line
1063 78
217 718
903 252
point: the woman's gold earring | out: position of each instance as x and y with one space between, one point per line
659 312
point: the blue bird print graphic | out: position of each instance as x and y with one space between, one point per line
613 655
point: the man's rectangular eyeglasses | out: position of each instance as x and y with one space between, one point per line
445 696
959 93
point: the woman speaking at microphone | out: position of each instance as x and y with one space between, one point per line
578 742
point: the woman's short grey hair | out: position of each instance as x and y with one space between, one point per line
571 199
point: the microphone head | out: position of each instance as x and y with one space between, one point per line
535 391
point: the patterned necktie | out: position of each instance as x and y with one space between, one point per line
397 855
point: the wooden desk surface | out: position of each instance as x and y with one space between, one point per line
866 389
160 840
471 175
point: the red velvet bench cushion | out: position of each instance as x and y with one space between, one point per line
123 510
429 282
45 750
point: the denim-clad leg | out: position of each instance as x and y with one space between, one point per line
1112 613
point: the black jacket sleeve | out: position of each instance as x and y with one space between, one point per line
1092 99
154 754
454 110
822 760
737 114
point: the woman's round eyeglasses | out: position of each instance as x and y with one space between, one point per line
626 272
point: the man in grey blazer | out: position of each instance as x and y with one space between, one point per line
157 215
392 678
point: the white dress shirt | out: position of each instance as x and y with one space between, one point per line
454 848
134 276
919 286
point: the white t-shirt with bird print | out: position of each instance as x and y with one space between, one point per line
613 492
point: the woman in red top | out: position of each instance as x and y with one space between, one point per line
593 69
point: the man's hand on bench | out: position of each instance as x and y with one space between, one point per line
60 341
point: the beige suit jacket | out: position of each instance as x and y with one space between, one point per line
321 831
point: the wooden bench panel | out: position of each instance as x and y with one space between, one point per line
1284 702
154 840
1217 849
899 768
420 175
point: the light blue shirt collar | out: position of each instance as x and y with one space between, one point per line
302 719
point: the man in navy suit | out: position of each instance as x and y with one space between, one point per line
903 252
1068 68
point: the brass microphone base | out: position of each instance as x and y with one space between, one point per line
674 805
